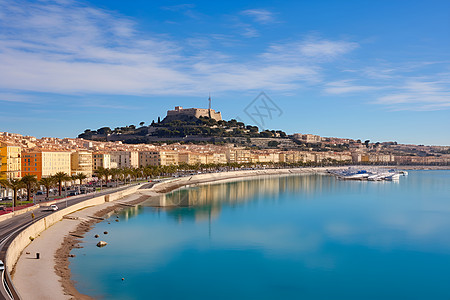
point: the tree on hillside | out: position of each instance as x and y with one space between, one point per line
142 123
104 130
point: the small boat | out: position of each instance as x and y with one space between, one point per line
395 176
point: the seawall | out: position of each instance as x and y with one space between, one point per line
25 237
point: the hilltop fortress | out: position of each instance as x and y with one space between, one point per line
180 113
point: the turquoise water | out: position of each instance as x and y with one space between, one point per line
294 237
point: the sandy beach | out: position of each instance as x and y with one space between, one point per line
49 276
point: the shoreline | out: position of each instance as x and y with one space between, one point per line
73 240
68 235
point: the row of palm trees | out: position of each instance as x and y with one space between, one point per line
147 172
30 183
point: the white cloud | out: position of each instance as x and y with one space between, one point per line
66 47
260 15
346 86
308 50
419 94
12 97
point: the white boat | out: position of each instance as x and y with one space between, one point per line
395 176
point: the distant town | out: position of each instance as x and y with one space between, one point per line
211 141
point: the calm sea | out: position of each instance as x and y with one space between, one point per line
291 237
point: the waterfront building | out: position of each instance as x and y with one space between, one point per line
101 159
124 159
335 156
192 158
358 157
216 158
10 165
81 162
45 163
158 158
261 157
381 158
238 155
291 157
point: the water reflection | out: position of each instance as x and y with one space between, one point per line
245 190
288 237
209 198
127 213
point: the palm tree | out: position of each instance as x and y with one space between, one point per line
29 181
80 177
13 184
47 182
135 173
108 172
103 172
115 173
100 172
61 177
127 172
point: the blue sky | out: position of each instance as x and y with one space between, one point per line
377 70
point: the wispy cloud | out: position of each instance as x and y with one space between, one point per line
13 97
346 86
262 16
70 48
419 94
179 7
307 49
186 9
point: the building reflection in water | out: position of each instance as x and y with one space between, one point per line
127 213
203 202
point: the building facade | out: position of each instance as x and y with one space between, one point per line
124 159
81 162
158 158
179 112
308 138
46 163
101 160
10 165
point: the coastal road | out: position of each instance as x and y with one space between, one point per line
10 228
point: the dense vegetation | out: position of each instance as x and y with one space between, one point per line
202 126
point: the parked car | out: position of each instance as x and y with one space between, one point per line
7 198
53 207
39 193
72 193
2 208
